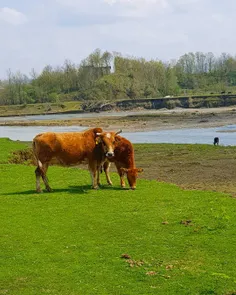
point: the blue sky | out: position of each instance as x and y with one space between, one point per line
35 33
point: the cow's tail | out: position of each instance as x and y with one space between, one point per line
39 163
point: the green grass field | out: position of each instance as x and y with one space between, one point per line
71 241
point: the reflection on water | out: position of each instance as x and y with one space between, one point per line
197 135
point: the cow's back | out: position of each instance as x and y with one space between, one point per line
68 148
75 147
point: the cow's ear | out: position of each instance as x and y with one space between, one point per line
97 130
124 170
117 139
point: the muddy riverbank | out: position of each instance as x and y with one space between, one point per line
142 120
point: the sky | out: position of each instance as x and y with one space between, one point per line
36 33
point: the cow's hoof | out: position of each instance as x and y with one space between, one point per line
95 187
110 183
49 189
39 191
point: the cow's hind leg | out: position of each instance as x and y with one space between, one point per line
106 167
44 177
38 175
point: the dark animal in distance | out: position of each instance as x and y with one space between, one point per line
216 140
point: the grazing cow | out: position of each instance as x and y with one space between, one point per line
121 152
216 140
69 148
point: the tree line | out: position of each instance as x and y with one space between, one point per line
109 76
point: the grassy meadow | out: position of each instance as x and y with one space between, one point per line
157 239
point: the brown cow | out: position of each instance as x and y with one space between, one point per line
69 148
120 151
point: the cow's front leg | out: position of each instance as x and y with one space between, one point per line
99 171
122 180
106 167
122 176
94 174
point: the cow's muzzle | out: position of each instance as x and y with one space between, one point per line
110 154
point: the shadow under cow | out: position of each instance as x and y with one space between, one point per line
79 189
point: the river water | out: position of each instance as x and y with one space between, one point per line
191 136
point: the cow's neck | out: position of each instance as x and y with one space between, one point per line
130 162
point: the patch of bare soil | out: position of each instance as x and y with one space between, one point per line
189 168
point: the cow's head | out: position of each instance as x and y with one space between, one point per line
108 141
132 175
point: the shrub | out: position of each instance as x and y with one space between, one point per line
171 104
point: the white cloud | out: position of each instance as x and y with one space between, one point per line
139 8
161 3
184 2
72 3
12 16
217 17
82 6
137 3
126 8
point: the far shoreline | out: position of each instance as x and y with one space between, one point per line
143 120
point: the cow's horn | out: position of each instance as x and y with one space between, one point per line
98 134
119 132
